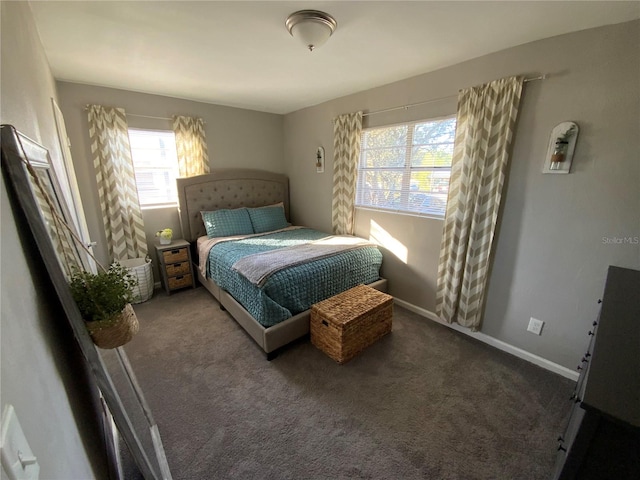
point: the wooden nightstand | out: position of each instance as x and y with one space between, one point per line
174 264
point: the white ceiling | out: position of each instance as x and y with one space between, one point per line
239 53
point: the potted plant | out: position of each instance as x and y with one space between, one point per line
104 302
560 148
165 236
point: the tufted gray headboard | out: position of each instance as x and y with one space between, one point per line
227 188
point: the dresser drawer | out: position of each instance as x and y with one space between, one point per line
180 282
175 269
175 255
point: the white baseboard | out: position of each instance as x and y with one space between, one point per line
494 342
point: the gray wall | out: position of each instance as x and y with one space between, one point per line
43 373
550 260
235 138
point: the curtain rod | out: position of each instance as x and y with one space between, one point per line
86 107
147 116
405 107
151 116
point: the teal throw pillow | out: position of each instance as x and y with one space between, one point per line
268 219
226 223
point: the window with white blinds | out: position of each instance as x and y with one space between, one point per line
406 167
155 163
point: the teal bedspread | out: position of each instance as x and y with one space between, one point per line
294 289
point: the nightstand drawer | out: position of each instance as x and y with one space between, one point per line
175 255
180 282
175 269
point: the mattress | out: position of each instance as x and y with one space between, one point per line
294 289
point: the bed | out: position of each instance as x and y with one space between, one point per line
229 189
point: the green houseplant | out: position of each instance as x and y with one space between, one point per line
165 236
104 302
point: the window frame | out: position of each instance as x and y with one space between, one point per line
406 170
169 203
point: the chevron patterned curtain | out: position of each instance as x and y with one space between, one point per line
485 122
61 240
193 158
347 130
121 214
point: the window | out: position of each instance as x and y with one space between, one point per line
406 167
155 163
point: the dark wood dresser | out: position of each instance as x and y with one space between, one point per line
602 438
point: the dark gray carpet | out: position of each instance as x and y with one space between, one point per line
425 402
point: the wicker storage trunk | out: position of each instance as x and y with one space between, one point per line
345 324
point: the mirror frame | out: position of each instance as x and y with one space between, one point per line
14 147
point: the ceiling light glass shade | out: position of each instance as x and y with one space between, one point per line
311 27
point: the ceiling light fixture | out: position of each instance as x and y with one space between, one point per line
311 27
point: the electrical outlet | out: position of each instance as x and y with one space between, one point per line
535 326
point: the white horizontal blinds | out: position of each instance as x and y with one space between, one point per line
383 154
431 152
155 162
406 167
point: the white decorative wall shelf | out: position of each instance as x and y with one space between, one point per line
562 144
